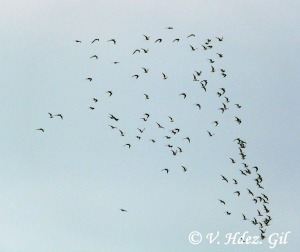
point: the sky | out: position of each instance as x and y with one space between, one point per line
62 189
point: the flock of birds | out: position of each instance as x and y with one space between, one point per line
263 218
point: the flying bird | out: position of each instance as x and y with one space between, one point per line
176 40
220 39
78 41
225 179
136 50
220 55
146 96
191 35
187 138
159 126
184 168
210 134
167 170
95 100
193 48
146 37
123 210
50 115
145 50
129 145
171 119
164 76
96 39
158 40
89 79
60 115
184 95
135 75
41 129
222 201
216 123
109 92
94 56
112 40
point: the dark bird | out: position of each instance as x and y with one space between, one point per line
112 40
136 50
95 100
152 140
158 40
198 105
198 73
238 120
244 217
184 168
187 138
123 210
220 39
138 137
204 47
235 181
129 145
122 133
176 40
109 92
89 79
78 41
145 70
211 61
96 39
227 100
169 28
225 179
146 114
250 192
94 56
228 213
116 62
220 55
224 75
145 50
50 115
223 90
191 35
171 119
232 160
238 105
210 134
113 127
243 172
193 48
203 86
259 213
146 96
164 76
174 152
113 117
41 129
180 150
184 95
238 193
141 130
60 115
168 137
219 94
92 108
159 126
216 123
255 167
146 37
195 78
169 145
222 201
135 75
212 69
167 170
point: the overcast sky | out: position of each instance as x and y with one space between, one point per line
62 189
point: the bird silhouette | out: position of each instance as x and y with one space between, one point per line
146 37
184 168
135 76
167 170
222 201
60 115
225 179
94 56
136 50
158 40
145 70
193 48
109 92
112 40
184 95
164 76
129 145
41 129
96 39
187 138
220 39
191 35
210 134
89 79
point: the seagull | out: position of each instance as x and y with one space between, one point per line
89 79
129 145
123 210
146 96
210 134
228 213
158 40
220 55
171 119
176 40
220 39
222 201
152 140
60 115
232 160
116 62
145 70
238 193
94 56
238 105
92 108
198 73
223 178
96 39
212 69
41 129
184 168
112 40
198 105
187 138
180 150
191 35
164 76
50 115
235 182
109 92
122 133
141 130
136 50
216 123
184 95
78 41
113 127
193 48
145 50
136 76
169 28
95 100
167 170
250 192
211 61
159 126
146 37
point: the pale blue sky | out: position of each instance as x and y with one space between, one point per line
61 190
